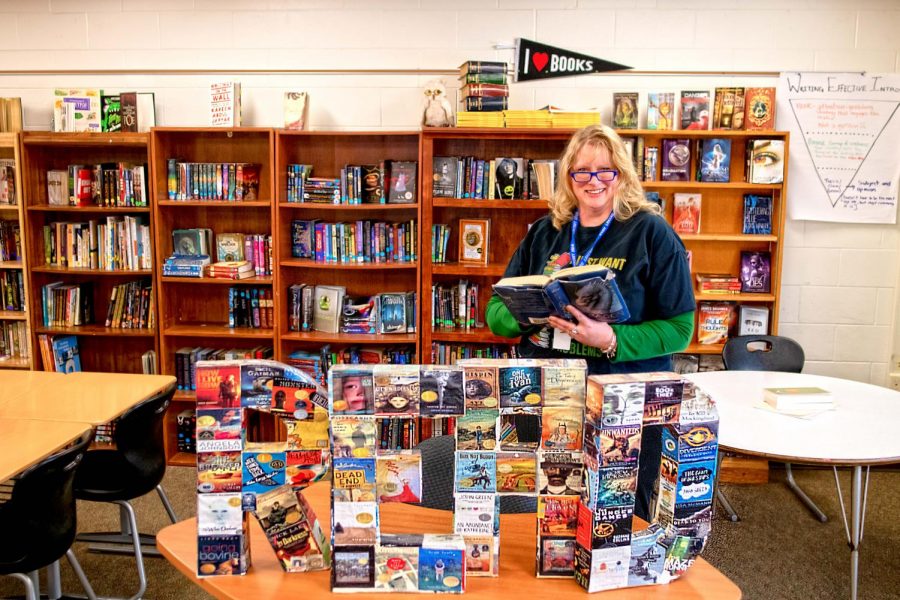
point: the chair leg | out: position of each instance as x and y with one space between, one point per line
138 554
720 496
816 511
166 504
30 593
79 572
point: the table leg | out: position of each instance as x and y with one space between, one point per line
853 529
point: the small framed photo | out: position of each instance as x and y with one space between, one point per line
753 320
474 235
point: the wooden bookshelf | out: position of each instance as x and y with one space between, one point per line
194 312
14 213
101 348
328 152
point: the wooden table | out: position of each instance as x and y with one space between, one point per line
266 579
26 442
94 398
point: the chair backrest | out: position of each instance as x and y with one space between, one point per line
38 521
763 353
139 437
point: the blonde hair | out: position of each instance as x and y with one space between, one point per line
629 199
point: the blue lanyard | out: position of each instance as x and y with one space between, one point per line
584 257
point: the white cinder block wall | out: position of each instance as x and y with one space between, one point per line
840 284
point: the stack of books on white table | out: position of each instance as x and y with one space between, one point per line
797 401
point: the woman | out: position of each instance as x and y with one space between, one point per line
598 215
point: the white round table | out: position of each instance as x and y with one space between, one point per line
860 432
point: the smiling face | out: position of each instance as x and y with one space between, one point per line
595 198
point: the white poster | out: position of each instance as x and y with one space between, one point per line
844 161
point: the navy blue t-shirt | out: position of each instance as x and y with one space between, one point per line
651 269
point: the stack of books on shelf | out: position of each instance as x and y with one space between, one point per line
253 308
388 182
715 283
121 244
329 309
8 194
186 265
502 178
484 86
359 242
59 353
456 306
443 353
67 305
572 119
479 119
440 237
106 184
13 340
92 110
225 182
131 306
238 269
528 118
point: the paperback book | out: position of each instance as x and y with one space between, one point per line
661 110
715 160
695 110
625 114
757 214
756 269
676 160
686 213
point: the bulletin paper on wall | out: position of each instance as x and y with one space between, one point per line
845 145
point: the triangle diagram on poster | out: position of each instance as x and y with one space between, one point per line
839 136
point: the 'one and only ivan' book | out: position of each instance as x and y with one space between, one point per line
591 289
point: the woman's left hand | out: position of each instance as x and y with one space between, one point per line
585 330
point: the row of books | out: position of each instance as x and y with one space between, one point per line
12 290
456 306
687 212
443 353
503 178
440 238
732 108
105 184
227 247
10 114
327 308
227 182
13 340
251 307
717 321
388 182
59 353
67 305
10 241
8 193
131 306
753 278
186 431
358 242
121 244
186 360
92 110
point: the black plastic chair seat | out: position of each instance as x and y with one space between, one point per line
106 476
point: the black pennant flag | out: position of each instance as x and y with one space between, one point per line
540 61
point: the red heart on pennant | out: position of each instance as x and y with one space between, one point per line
540 60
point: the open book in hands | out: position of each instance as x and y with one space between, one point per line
591 289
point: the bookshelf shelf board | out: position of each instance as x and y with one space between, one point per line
506 133
13 315
500 204
15 363
734 297
185 396
215 203
347 207
725 237
699 133
309 264
48 138
7 139
9 208
489 270
183 459
86 271
218 331
696 348
349 338
698 186
479 336
10 264
96 330
102 446
89 209
218 281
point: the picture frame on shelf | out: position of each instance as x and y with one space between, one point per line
474 241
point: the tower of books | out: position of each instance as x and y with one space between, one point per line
483 94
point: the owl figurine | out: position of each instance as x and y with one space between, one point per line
438 111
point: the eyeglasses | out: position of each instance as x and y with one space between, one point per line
601 175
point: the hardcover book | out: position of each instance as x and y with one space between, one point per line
676 160
695 110
444 174
230 247
474 238
111 113
625 105
592 289
485 104
129 111
65 354
327 304
759 109
661 110
766 161
715 160
756 269
757 214
495 78
225 104
728 108
494 90
472 67
401 178
392 317
372 184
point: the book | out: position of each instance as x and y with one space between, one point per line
756 269
495 78
444 173
757 214
676 160
661 110
715 160
485 103
401 178
509 174
76 109
494 90
57 188
225 104
146 111
753 320
541 178
728 108
392 316
694 113
714 322
191 242
230 247
110 113
625 107
787 398
686 213
372 184
128 111
296 107
65 353
474 239
327 304
765 160
472 67
592 289
759 109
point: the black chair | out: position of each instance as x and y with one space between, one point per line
767 353
38 521
136 467
437 478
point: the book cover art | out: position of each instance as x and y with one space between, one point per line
401 181
189 242
230 247
218 472
372 184
248 178
648 556
396 567
620 445
66 358
564 385
759 109
294 397
661 110
476 514
225 104
728 108
302 240
557 557
477 429
396 390
715 160
753 320
520 386
353 479
714 322
352 392
353 437
509 175
398 477
474 239
222 555
257 381
218 386
625 110
559 473
622 403
695 110
353 566
441 570
676 160
327 304
278 511
392 317
561 428
262 471
480 555
756 270
296 107
441 392
520 429
686 213
612 527
696 482
219 514
766 161
306 466
219 429
481 387
444 174
617 486
516 473
757 214
475 472
557 515
110 113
